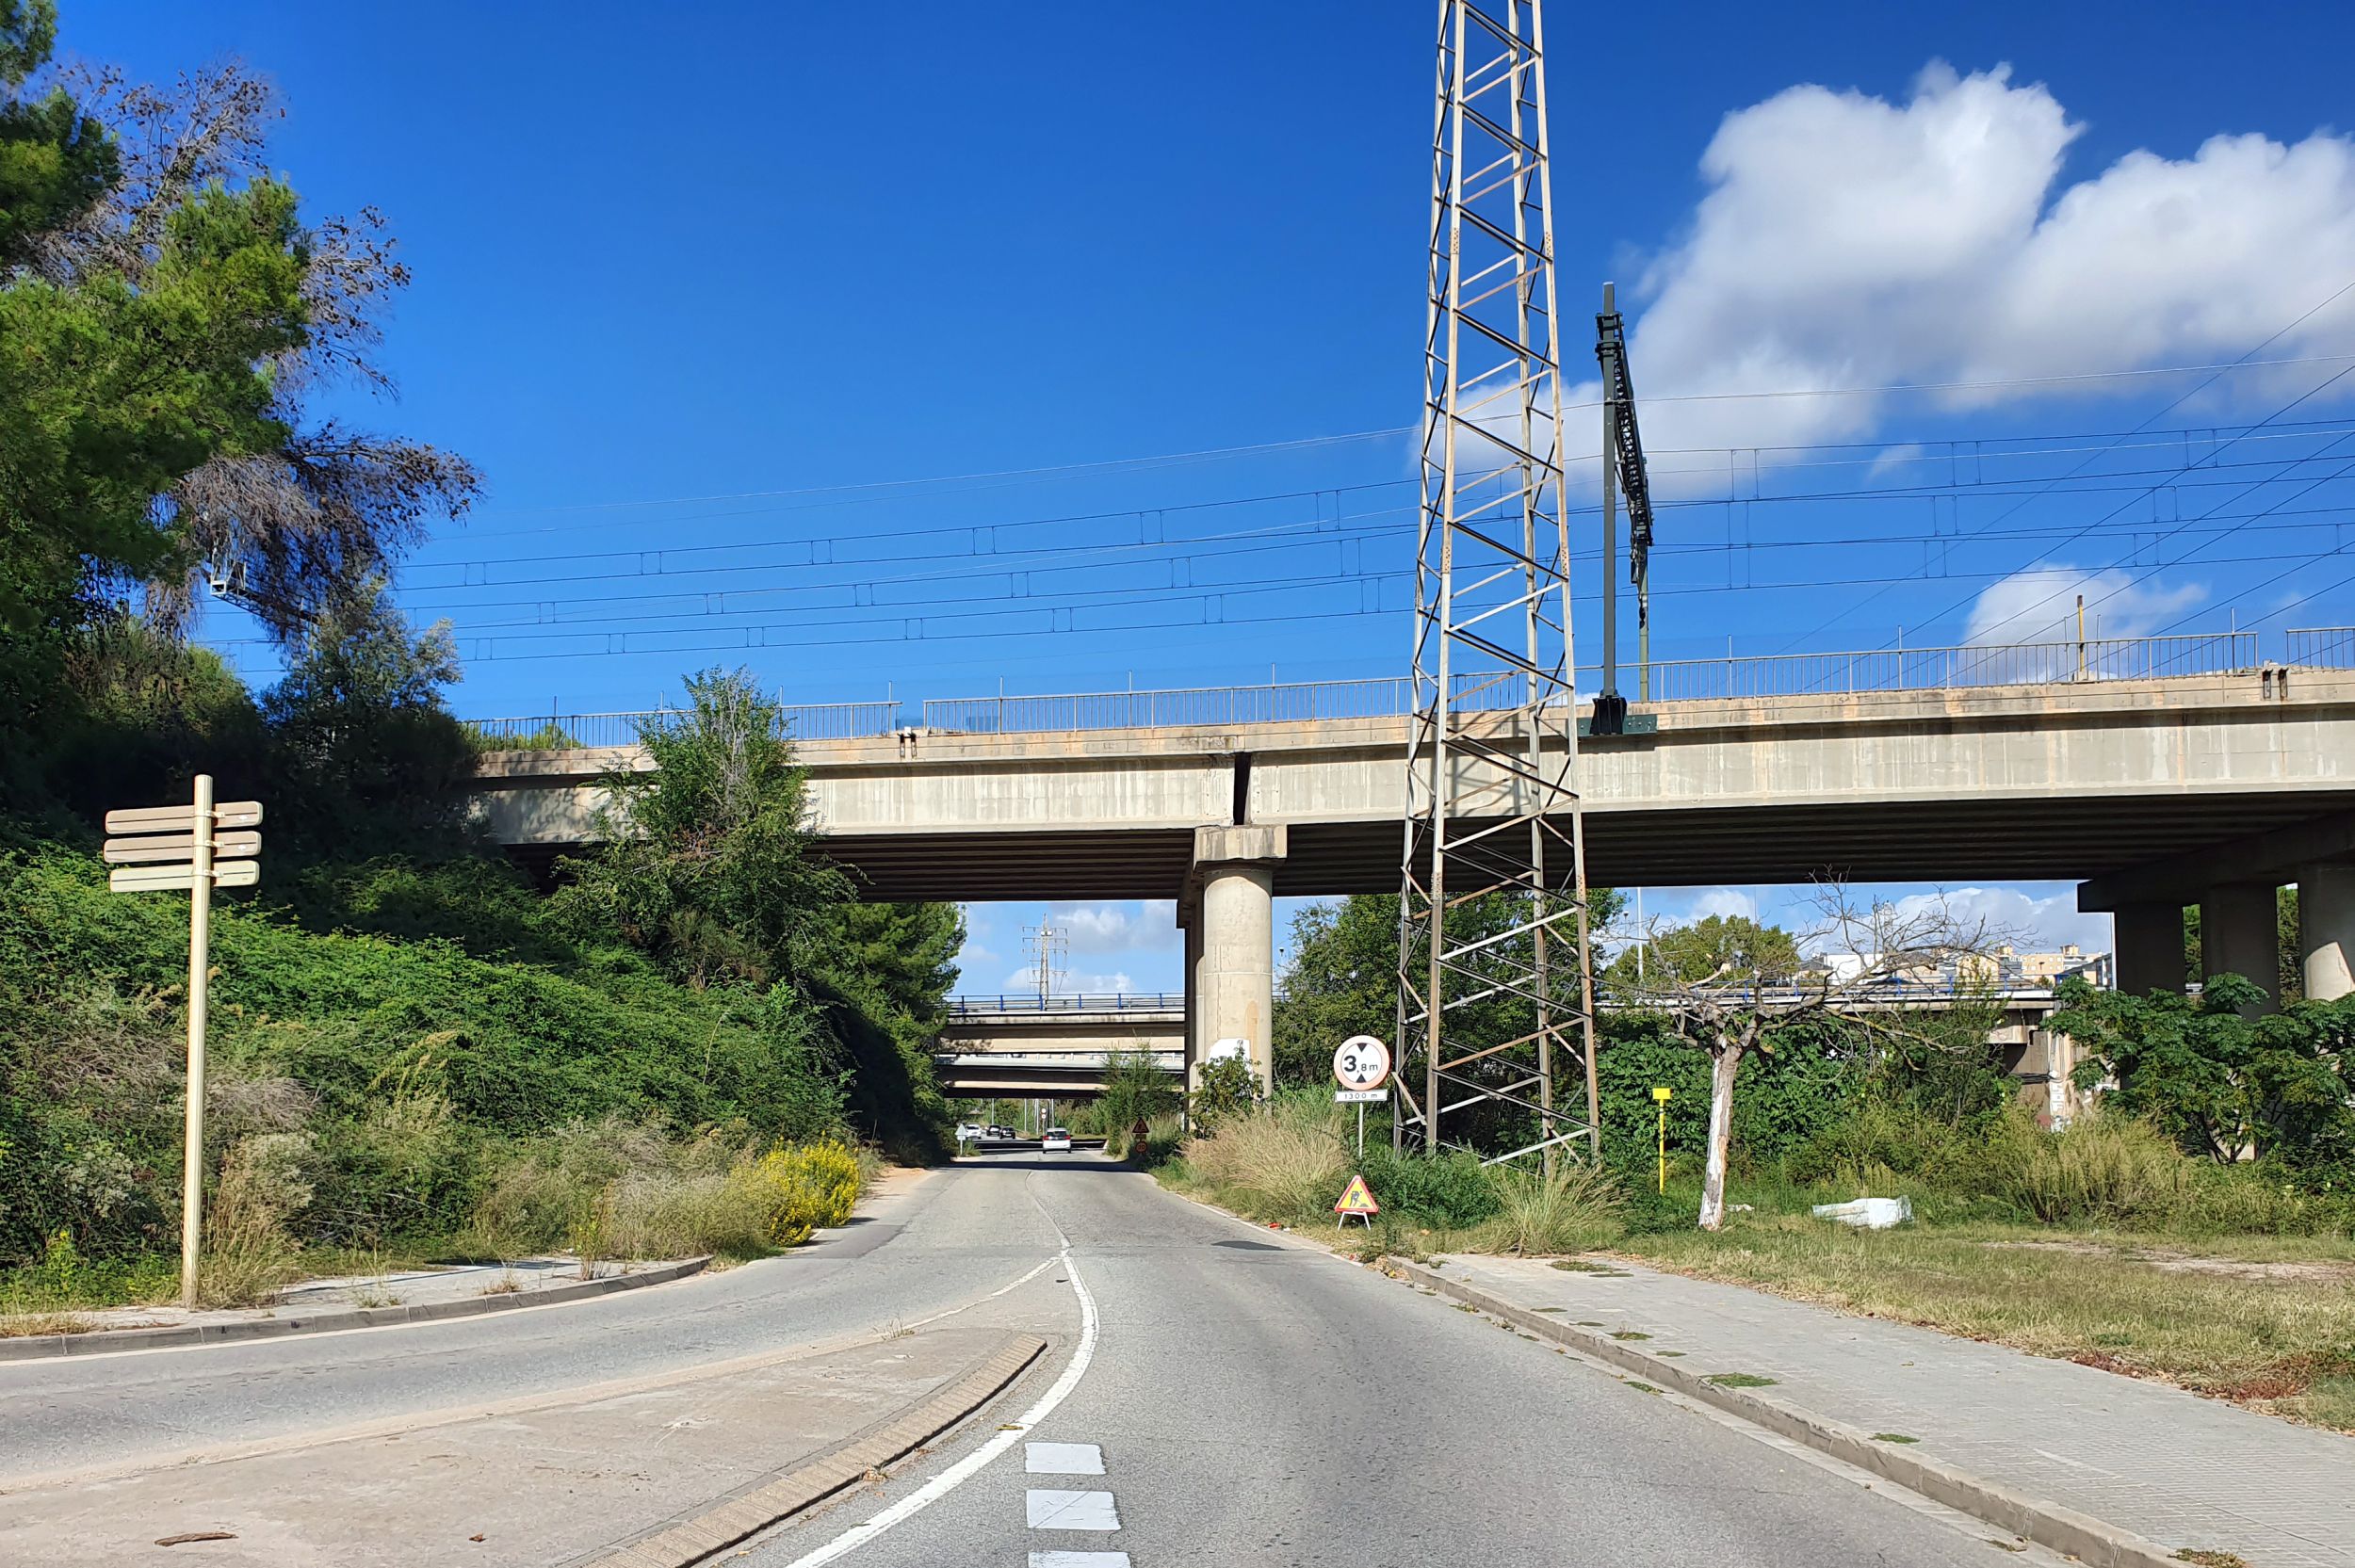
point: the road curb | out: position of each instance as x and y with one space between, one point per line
2094 1541
105 1341
690 1540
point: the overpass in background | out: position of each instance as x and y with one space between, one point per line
2158 772
1009 1046
1014 1046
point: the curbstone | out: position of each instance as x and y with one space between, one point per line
105 1341
2094 1541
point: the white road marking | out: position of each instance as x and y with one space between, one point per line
973 1464
1079 1559
1063 1459
1071 1510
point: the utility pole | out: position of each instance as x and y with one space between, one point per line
1623 474
1610 707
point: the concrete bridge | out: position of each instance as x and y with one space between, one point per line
1010 1046
2158 772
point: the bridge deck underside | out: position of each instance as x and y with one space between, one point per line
1991 839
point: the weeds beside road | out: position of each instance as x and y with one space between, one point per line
2265 1320
2101 1245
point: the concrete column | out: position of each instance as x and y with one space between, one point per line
2238 935
1190 922
2149 943
1236 972
2325 931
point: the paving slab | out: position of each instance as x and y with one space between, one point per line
542 1486
2184 1471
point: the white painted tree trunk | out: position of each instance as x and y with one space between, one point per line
1724 1062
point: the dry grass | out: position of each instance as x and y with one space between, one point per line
2281 1338
1574 1210
1286 1163
23 1324
248 1256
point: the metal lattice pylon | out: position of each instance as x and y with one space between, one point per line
1495 986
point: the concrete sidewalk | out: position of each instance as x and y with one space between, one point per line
2179 1470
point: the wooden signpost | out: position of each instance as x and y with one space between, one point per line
183 850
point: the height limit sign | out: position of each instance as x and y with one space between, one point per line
1361 1065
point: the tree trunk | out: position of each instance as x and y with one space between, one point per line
1724 1062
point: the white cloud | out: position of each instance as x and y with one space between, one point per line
2041 605
1112 928
1728 902
1024 982
1847 241
2035 925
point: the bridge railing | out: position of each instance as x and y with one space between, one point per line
997 1007
2107 658
1965 666
560 732
2321 647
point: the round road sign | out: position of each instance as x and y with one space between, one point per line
1361 1063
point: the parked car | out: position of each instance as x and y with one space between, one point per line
1057 1141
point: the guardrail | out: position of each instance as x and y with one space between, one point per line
1964 667
2321 647
2108 658
1034 1005
561 731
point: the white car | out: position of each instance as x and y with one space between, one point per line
1057 1141
969 1132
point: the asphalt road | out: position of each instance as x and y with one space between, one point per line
1249 1402
1258 1403
906 1259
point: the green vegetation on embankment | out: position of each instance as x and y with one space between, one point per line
415 1049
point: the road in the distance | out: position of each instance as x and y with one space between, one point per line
1254 1403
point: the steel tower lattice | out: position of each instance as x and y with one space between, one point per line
1495 983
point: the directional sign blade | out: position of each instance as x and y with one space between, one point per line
180 879
165 819
151 879
179 846
153 819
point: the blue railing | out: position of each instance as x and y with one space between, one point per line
1032 1003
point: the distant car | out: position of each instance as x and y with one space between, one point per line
968 1131
1057 1141
1000 1133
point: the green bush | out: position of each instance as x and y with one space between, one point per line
1449 1192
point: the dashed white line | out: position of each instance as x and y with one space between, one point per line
971 1465
1063 1459
1071 1510
1079 1559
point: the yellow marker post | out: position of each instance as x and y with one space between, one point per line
1660 1095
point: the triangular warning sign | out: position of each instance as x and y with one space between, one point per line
1356 1198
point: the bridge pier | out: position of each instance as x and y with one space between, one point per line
2147 944
1231 981
2240 934
2325 931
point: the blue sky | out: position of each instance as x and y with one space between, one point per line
778 330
